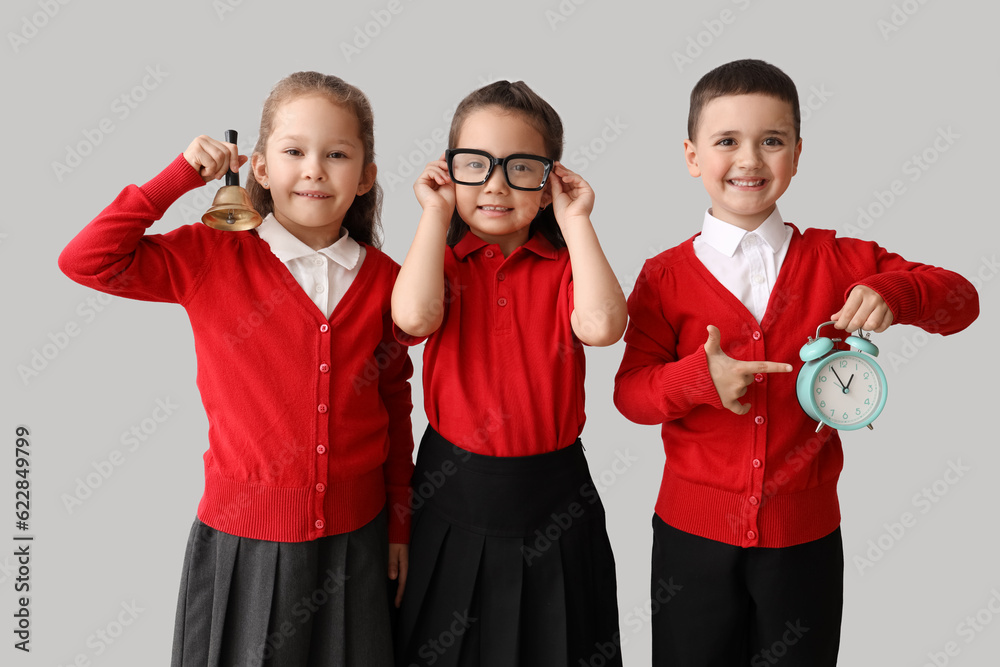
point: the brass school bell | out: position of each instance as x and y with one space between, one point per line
231 210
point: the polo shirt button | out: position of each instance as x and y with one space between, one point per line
489 254
319 289
320 449
758 420
756 335
323 328
502 301
322 408
759 377
320 488
755 463
319 524
750 534
501 275
753 500
324 368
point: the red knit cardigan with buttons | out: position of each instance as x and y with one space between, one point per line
309 417
765 479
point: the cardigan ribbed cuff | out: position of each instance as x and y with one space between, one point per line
688 384
167 187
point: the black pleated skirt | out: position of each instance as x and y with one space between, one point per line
510 563
247 602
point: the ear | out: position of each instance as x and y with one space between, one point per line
546 193
691 158
259 168
367 179
798 151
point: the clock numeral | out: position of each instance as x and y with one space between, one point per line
832 412
871 388
867 376
868 401
822 378
819 390
822 404
857 411
845 415
843 363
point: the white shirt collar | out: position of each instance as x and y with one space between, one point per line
726 237
344 251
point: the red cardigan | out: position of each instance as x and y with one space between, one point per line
309 419
764 479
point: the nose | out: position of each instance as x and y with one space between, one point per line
496 182
749 157
312 168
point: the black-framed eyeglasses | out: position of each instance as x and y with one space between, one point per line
468 166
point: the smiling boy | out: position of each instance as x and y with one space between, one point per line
747 518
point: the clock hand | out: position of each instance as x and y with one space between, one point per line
838 378
849 382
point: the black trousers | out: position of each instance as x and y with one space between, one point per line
718 605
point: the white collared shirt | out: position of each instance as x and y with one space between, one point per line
325 275
746 263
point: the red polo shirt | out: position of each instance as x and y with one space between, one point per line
503 375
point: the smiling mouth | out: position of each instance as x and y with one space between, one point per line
500 209
743 183
313 195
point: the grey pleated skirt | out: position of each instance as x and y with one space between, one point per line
246 602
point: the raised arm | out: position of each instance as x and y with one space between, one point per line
418 296
599 309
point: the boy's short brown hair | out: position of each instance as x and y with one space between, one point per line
743 77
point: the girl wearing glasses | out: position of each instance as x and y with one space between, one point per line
510 562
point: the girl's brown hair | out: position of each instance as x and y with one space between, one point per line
363 218
519 99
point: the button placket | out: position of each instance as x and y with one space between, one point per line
322 460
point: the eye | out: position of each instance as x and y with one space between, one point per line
337 154
475 164
293 151
773 141
726 142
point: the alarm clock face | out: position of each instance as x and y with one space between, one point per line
848 390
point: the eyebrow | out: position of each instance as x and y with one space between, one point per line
299 138
729 133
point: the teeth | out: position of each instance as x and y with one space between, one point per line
313 196
746 184
494 208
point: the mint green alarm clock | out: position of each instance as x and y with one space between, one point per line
843 389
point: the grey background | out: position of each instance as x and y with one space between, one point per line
876 100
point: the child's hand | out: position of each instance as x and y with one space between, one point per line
399 562
732 376
571 195
865 309
434 189
212 158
